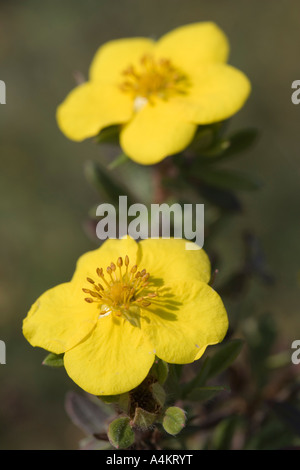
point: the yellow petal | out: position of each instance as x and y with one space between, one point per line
92 106
218 92
114 359
186 318
170 260
102 257
59 319
155 132
193 44
114 57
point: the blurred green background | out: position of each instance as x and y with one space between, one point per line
45 196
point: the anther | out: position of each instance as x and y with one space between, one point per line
90 280
120 262
126 260
87 299
95 294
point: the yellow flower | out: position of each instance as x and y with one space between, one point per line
158 92
127 303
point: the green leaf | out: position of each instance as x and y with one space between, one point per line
288 414
103 182
174 420
120 433
124 402
109 135
225 200
205 393
224 433
122 158
108 399
160 370
87 412
54 360
198 380
232 146
143 419
218 149
229 180
158 394
203 139
224 357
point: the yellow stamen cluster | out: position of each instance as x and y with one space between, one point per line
120 288
154 78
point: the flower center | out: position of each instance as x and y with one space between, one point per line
120 289
153 78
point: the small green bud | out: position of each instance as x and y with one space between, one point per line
120 433
174 420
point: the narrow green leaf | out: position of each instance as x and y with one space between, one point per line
229 180
158 394
102 181
122 158
109 135
218 149
224 432
198 380
224 357
223 199
87 412
205 393
54 360
160 370
232 146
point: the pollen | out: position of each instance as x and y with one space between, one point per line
120 287
153 78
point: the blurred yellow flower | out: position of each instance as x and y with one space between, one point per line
151 299
158 92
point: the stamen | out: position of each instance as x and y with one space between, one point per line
153 78
119 290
